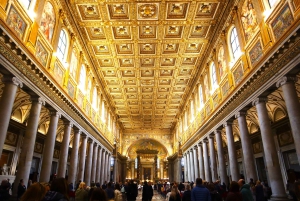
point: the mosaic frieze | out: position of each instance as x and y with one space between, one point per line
256 53
47 23
16 22
282 22
41 53
249 19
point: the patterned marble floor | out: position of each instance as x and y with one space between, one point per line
156 196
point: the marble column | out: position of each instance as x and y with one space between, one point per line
88 164
74 156
64 149
234 170
213 164
6 104
206 162
94 166
222 167
26 154
49 147
108 169
270 152
82 158
188 166
185 168
192 165
99 169
293 107
247 148
200 157
195 163
103 166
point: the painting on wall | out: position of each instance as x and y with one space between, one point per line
16 22
48 21
71 89
207 109
41 53
80 100
282 21
58 73
216 101
248 18
256 52
206 87
221 62
73 63
238 74
225 89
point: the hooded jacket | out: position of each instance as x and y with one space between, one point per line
246 193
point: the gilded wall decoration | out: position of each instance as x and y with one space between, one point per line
225 88
80 99
239 153
207 109
216 100
206 89
11 139
221 62
256 53
58 72
16 22
73 63
249 19
238 73
282 22
41 53
257 148
47 23
71 89
38 148
56 154
285 138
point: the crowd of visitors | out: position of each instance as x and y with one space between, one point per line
59 190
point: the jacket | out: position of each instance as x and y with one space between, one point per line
200 193
54 196
246 193
81 195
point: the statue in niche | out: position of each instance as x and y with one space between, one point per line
4 169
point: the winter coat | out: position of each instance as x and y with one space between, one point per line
81 195
200 193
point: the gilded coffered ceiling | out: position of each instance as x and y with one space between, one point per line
147 53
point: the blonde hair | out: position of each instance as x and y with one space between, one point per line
82 185
35 192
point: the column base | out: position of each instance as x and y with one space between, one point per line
280 198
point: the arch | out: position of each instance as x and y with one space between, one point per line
47 23
279 114
147 144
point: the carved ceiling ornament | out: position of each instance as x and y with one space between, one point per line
147 11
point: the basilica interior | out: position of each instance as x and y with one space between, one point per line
111 90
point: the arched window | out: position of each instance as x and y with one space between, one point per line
214 81
82 76
95 98
62 45
73 63
235 45
48 21
25 3
201 97
88 90
272 3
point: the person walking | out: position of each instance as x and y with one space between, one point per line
146 194
245 190
200 193
234 193
132 191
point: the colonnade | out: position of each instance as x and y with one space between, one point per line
199 163
89 165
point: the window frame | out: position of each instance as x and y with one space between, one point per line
62 54
234 40
213 76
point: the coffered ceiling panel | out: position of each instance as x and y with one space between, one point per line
146 53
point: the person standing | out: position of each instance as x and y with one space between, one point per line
132 191
187 194
200 193
110 192
245 190
21 189
234 193
146 196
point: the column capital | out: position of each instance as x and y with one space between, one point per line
13 80
90 141
191 150
285 80
83 135
68 123
38 99
240 113
77 130
96 144
228 123
218 132
259 100
195 147
55 113
199 144
205 140
212 135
